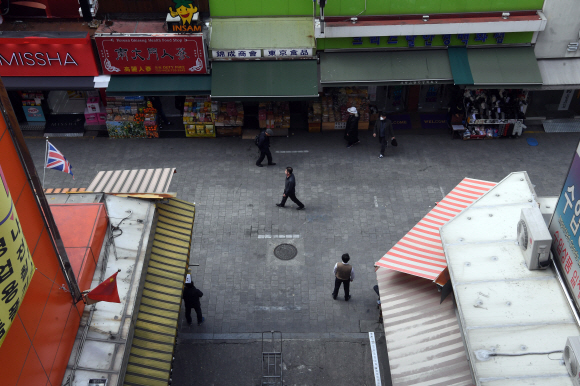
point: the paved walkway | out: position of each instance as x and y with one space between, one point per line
355 203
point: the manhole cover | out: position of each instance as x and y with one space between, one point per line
285 251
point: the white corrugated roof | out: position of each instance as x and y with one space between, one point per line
502 305
423 337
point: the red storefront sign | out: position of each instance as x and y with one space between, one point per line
47 56
162 54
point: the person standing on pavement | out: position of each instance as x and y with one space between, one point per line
384 130
351 134
290 190
264 146
191 297
344 274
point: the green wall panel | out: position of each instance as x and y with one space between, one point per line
233 8
343 43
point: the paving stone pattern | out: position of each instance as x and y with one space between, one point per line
355 203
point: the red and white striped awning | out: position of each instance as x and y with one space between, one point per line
420 251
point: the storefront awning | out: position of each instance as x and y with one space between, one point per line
156 85
460 65
420 251
155 329
560 74
504 67
384 68
423 337
48 82
264 80
260 33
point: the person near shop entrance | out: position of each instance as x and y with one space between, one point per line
264 146
191 297
290 190
351 134
343 274
384 131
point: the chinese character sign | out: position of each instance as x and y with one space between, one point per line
16 266
564 229
169 54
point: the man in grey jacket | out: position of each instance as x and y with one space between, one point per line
344 274
384 130
290 190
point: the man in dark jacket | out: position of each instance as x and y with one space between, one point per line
290 190
384 131
264 146
351 134
191 297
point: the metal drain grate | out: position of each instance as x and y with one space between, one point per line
285 251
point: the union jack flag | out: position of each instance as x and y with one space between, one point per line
56 160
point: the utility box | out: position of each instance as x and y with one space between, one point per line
534 239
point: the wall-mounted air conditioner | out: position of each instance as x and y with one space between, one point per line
534 239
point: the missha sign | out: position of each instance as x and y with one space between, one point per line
47 54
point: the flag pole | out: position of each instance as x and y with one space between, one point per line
44 166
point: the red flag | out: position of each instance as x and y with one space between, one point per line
106 291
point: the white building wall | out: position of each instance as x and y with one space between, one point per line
562 28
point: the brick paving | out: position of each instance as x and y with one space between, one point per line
355 203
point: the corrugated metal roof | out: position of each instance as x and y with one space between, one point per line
420 251
258 33
150 360
503 306
423 337
132 181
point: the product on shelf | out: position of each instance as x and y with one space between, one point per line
131 117
335 103
199 116
229 114
274 115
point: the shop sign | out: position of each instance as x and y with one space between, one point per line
565 100
154 54
412 82
412 41
237 54
38 57
279 53
16 265
564 229
34 113
186 16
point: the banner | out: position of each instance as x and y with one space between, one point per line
161 54
564 229
16 266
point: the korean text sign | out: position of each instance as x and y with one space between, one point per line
47 57
565 231
164 54
16 266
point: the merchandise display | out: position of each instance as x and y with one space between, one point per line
131 117
199 116
95 113
274 115
314 116
32 106
229 114
494 113
336 101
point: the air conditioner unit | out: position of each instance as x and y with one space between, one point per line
534 239
571 355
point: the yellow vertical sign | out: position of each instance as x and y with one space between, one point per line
16 266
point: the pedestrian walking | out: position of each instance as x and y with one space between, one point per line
351 133
344 274
191 297
290 190
264 146
384 131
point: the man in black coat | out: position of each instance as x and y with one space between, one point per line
290 190
264 146
191 297
384 131
351 133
